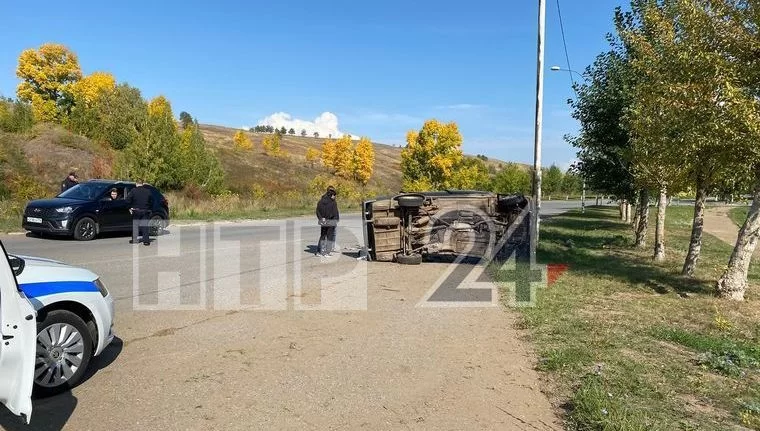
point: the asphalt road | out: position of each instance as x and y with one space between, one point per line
217 330
193 255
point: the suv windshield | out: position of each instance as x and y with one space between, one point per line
85 191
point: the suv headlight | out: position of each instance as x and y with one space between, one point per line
64 210
101 287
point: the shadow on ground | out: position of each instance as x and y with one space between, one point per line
607 255
103 235
52 413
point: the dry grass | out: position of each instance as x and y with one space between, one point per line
293 172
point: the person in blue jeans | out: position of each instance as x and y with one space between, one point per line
327 217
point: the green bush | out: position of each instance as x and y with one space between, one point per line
15 117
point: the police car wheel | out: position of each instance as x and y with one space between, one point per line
85 229
64 349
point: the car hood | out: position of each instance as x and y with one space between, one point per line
53 203
40 270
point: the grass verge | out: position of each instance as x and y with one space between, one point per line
738 215
629 344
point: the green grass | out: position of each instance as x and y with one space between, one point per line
629 344
738 215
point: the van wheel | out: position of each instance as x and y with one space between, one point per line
85 229
64 349
411 259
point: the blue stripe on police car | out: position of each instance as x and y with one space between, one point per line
34 290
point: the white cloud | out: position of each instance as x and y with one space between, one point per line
325 124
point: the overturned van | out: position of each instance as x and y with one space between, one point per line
407 227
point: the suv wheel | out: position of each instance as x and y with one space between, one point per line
85 229
157 225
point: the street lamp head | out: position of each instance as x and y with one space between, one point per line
555 68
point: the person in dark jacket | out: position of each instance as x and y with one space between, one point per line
327 217
140 201
69 182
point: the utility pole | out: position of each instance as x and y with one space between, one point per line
539 117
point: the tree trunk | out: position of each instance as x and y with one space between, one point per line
642 218
622 212
634 222
695 245
733 282
659 232
627 212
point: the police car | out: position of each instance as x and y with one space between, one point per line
54 318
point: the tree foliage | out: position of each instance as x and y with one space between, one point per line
185 119
604 143
272 145
155 154
552 181
88 89
242 141
363 160
15 116
200 166
312 156
690 105
328 153
471 174
513 178
431 156
47 74
343 157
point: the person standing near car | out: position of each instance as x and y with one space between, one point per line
70 181
140 201
327 217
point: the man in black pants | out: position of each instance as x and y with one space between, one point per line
140 201
327 216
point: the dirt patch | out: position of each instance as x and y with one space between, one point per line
54 152
702 407
718 223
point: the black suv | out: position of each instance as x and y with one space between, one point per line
87 209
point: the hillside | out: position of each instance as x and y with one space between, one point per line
275 174
255 167
48 152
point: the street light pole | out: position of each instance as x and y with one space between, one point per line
539 117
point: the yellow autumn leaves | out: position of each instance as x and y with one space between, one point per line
242 141
348 160
51 80
433 160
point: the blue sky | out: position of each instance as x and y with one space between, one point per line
381 68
